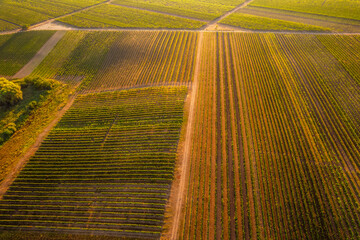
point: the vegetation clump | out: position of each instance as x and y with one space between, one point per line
10 93
40 83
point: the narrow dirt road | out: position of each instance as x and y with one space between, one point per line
5 184
187 144
40 55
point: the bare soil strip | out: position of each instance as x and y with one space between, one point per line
160 12
40 55
8 180
187 144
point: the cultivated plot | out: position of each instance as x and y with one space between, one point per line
201 9
113 16
105 169
275 146
16 14
276 19
343 9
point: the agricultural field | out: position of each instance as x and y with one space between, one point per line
201 9
147 59
253 22
105 169
104 61
349 9
18 49
113 16
16 14
77 57
275 143
277 17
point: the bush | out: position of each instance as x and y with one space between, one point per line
40 83
8 131
10 93
25 27
32 105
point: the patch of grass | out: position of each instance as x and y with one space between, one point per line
112 16
263 23
19 49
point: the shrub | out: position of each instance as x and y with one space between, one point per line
8 131
32 105
10 93
40 83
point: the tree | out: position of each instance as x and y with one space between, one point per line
10 93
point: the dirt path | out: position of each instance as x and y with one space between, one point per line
40 55
5 184
160 12
187 143
217 20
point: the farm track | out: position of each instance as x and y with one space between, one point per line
40 55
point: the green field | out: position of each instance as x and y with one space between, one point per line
335 8
202 9
106 168
263 23
112 16
28 12
19 49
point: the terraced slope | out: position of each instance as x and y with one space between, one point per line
105 169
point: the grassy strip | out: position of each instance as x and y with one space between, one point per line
263 23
